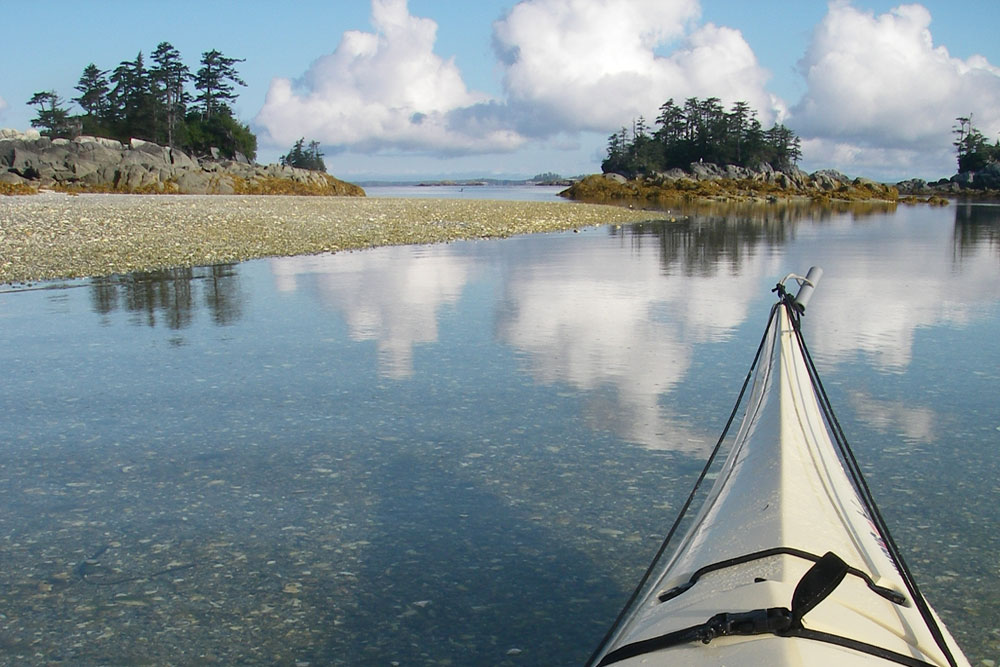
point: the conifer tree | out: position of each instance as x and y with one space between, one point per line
94 89
52 117
168 77
215 80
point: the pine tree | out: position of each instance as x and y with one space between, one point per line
134 105
168 78
94 88
52 117
301 158
215 81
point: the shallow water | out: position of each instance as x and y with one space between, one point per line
466 453
493 192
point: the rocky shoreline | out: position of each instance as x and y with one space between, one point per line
706 181
56 235
29 162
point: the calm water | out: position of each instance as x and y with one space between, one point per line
517 193
466 453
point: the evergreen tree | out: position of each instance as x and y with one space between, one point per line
154 103
134 103
973 151
701 130
52 117
168 78
215 82
94 89
303 158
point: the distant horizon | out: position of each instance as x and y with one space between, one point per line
397 90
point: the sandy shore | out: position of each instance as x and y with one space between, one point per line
53 235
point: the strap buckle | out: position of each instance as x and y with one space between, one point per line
775 621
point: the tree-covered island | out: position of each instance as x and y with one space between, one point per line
151 100
699 150
700 131
154 126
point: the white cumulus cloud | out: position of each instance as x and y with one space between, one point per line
567 66
879 92
595 64
3 104
382 89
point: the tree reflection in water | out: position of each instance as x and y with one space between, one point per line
697 237
169 296
975 225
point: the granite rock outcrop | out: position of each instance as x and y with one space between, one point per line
96 164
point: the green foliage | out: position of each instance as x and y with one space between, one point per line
133 103
168 78
94 89
973 152
222 132
701 130
53 117
304 158
547 177
151 101
215 80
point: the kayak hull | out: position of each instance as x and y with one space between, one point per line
781 501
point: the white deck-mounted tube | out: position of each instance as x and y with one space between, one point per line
807 287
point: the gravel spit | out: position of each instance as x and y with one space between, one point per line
55 235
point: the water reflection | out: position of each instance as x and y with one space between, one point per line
168 297
976 225
598 318
493 447
626 327
698 245
391 296
915 424
781 211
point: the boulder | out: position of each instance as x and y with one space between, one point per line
10 178
159 154
25 162
798 178
85 139
27 135
827 180
706 171
912 186
193 182
182 160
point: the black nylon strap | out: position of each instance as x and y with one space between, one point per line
889 594
758 622
711 629
862 647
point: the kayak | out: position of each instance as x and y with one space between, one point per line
787 561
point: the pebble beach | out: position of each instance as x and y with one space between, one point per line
55 235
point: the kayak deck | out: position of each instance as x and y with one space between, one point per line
780 502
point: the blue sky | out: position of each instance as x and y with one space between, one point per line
421 89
